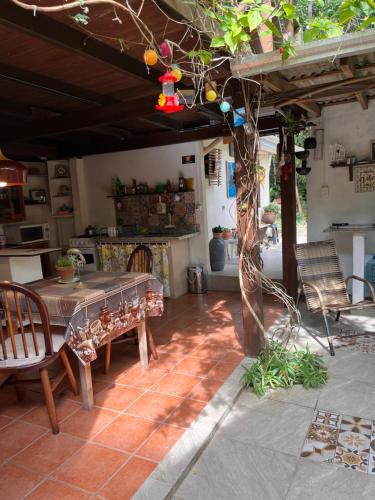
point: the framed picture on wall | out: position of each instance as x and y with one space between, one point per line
231 184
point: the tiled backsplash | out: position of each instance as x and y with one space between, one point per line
142 207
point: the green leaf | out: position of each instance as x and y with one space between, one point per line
272 27
290 11
236 29
217 41
345 16
366 23
230 42
254 19
205 57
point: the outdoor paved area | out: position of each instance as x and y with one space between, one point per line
139 414
297 443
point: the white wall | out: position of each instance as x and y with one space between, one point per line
354 128
151 165
221 210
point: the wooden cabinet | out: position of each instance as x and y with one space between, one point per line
12 205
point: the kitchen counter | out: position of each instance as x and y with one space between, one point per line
22 265
146 238
26 252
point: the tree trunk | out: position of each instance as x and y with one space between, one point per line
252 337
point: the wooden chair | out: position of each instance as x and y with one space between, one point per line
26 347
323 284
140 261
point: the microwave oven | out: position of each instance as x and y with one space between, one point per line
22 235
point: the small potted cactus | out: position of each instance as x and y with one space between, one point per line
65 268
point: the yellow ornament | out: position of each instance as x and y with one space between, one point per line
211 95
161 100
177 73
150 57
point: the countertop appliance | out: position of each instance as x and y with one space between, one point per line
87 246
23 235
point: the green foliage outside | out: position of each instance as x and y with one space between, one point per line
280 367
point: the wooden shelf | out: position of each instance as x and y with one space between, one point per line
62 216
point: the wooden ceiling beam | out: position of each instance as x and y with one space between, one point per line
51 85
266 125
78 120
48 29
163 122
277 83
26 150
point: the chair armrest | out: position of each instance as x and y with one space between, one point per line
366 282
316 290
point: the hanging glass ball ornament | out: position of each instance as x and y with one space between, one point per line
150 57
176 72
224 107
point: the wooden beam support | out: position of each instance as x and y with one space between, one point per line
251 337
48 29
210 113
25 150
289 221
277 83
347 67
362 99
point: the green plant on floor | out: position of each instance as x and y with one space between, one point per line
281 367
217 229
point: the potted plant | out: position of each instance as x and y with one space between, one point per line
226 233
270 212
217 232
65 269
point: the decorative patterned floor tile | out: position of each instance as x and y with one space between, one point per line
351 459
356 424
327 418
354 441
342 440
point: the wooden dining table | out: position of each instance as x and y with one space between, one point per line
102 307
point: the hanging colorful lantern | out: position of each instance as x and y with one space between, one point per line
211 94
168 100
224 107
12 173
176 72
165 49
150 57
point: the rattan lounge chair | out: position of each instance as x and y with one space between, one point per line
323 284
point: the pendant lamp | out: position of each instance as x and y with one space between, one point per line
12 173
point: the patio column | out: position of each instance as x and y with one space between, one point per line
289 221
251 338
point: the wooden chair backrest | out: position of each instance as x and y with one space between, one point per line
140 260
319 264
18 304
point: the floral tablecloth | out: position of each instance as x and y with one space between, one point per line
109 305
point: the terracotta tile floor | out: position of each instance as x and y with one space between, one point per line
139 414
